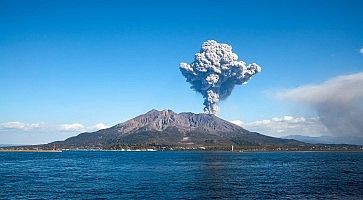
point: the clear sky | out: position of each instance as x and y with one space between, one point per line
66 66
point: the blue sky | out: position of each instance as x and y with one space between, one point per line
91 62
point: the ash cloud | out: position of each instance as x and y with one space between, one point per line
215 71
338 102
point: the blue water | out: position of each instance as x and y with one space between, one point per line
181 175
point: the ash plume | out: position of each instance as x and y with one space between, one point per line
214 73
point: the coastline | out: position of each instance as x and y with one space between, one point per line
107 150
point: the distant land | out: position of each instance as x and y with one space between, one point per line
8 145
167 130
326 139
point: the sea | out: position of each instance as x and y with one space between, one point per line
181 175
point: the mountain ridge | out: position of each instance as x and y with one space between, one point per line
167 128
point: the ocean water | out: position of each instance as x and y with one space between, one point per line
181 175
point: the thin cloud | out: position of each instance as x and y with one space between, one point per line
77 127
19 126
237 122
285 125
361 50
72 127
100 126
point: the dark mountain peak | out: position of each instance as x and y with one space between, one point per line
162 112
152 111
185 121
152 120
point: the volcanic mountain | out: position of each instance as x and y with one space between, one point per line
167 128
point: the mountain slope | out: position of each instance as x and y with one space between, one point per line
172 129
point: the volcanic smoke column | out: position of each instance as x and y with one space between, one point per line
215 71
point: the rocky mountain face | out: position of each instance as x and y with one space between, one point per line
161 120
174 129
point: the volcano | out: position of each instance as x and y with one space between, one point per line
167 128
